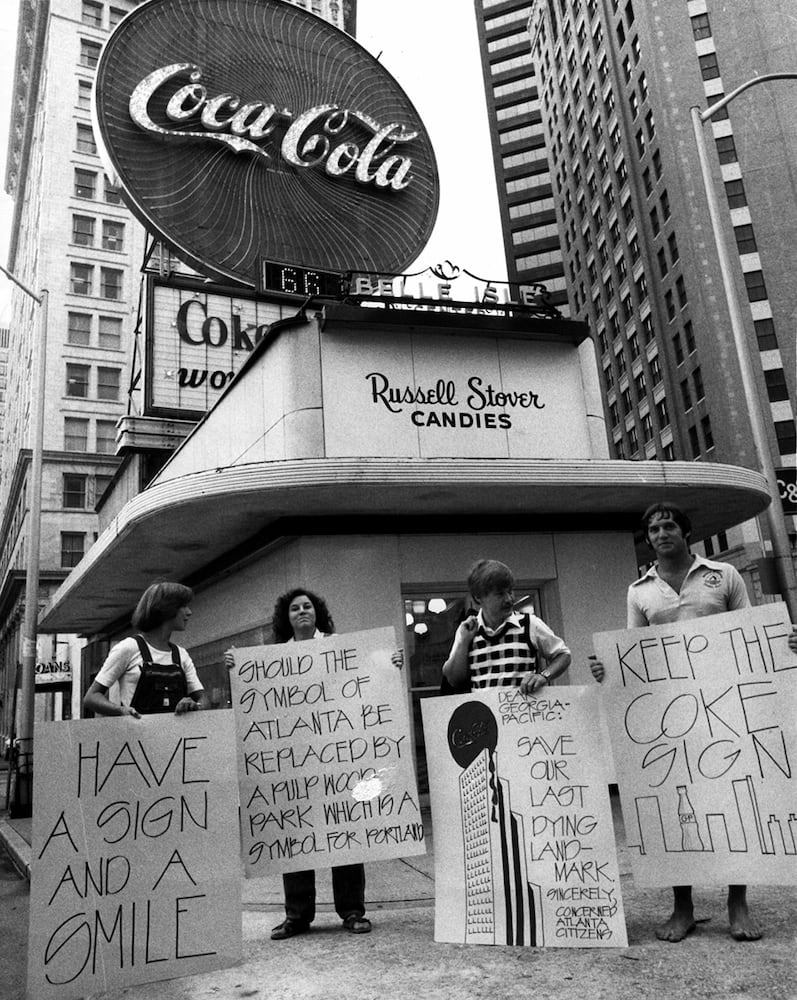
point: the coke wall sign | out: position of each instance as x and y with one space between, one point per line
249 129
197 338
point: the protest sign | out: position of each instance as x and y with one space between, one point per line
324 754
703 722
136 872
524 842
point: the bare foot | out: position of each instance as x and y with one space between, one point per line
743 927
677 927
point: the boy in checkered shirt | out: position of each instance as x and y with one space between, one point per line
499 646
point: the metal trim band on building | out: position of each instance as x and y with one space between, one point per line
177 527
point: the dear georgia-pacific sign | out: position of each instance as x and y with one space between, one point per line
250 129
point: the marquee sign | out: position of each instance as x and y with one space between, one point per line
249 129
197 338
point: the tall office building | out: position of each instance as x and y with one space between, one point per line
611 84
525 194
72 235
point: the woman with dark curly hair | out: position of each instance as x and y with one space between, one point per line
291 617
154 674
300 614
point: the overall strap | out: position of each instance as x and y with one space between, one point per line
176 655
146 656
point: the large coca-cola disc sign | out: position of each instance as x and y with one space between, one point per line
249 129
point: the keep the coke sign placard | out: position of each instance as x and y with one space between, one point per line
249 129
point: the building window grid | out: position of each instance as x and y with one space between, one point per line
89 53
735 193
72 547
91 13
756 286
726 149
85 184
81 278
84 95
697 381
110 332
708 436
110 283
77 380
106 437
786 435
84 141
680 291
76 434
78 329
74 491
108 383
694 441
777 388
686 395
113 235
765 335
111 194
745 239
83 230
701 28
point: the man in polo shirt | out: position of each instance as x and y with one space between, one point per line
683 585
498 646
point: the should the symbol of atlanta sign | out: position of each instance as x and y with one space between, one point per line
257 130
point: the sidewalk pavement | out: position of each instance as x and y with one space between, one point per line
400 959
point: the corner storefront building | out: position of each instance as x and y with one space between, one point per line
371 454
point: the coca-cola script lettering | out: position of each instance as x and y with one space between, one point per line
476 732
308 139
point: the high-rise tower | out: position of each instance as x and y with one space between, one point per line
613 85
525 195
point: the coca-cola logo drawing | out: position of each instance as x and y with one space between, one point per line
249 129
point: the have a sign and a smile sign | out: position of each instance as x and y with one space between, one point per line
249 129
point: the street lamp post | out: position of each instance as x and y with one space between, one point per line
781 549
23 788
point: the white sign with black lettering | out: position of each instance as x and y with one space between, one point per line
196 342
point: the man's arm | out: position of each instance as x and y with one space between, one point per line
737 592
635 616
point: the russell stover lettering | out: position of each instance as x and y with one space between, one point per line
444 407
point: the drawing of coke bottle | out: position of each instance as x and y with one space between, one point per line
690 832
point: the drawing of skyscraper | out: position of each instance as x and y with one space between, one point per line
750 814
501 905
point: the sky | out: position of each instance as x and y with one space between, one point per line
431 48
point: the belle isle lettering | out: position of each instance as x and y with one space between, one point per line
226 119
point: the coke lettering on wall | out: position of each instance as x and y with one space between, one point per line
258 130
196 342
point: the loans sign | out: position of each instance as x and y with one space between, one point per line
324 753
249 129
703 721
135 871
